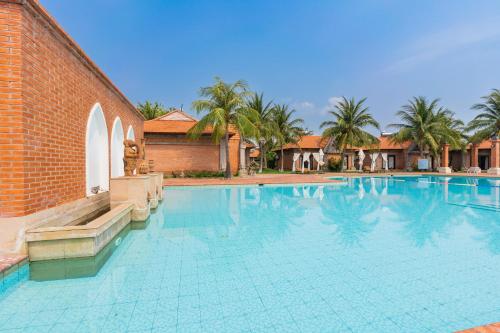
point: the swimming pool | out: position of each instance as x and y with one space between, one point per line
373 255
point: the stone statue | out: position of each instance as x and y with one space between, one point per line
143 167
130 156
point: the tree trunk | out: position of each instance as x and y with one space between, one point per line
228 174
281 169
261 148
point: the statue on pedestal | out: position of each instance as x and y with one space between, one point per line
130 156
143 167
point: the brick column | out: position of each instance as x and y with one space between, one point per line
445 156
495 157
474 155
445 160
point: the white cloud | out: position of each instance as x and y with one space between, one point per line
446 41
332 102
304 105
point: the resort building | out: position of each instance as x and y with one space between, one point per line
172 151
387 155
62 120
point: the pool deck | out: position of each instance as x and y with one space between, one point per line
298 178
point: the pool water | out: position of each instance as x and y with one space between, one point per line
396 254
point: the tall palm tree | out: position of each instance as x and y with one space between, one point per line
425 124
262 122
225 104
287 128
487 123
151 110
348 127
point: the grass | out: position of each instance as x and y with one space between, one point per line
274 171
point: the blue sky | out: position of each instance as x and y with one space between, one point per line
304 53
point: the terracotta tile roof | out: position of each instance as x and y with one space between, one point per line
174 127
385 143
308 142
255 153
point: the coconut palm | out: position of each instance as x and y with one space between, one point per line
151 110
487 123
287 128
226 107
348 127
426 124
262 122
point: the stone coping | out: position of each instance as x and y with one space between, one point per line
10 263
92 229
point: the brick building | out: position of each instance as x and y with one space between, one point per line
62 121
168 145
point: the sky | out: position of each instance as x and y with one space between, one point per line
303 53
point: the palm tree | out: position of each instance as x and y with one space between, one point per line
287 128
487 123
347 128
225 104
426 124
262 122
151 110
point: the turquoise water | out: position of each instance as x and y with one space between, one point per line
400 254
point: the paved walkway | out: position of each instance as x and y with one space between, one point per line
249 180
291 178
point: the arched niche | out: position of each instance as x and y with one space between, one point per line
117 147
130 133
96 151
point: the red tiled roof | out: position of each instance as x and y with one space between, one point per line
175 127
385 143
255 153
308 142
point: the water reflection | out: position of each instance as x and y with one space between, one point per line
424 210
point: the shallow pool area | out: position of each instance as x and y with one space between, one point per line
373 254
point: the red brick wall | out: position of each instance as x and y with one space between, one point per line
59 88
178 153
11 111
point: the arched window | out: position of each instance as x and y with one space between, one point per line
117 147
96 152
130 133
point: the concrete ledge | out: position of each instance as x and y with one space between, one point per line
12 237
444 170
47 243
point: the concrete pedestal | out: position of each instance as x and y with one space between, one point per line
152 192
133 189
475 170
494 171
444 170
158 176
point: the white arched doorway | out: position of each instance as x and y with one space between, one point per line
117 147
130 133
96 152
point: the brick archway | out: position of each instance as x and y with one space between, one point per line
96 152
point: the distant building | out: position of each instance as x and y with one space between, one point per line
302 155
169 146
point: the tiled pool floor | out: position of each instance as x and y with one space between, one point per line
366 257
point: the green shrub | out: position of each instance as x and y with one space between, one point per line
334 164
